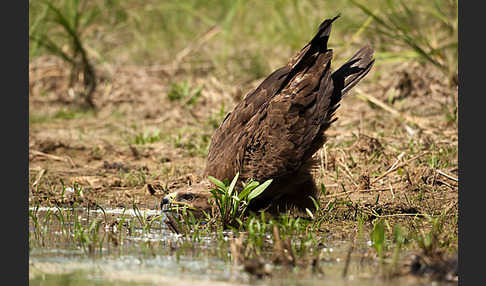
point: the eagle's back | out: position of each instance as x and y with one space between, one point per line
274 131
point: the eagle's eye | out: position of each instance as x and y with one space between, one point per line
186 197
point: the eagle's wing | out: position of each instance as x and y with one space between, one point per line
290 128
226 141
229 139
285 128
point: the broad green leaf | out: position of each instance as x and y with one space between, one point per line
217 182
247 189
258 190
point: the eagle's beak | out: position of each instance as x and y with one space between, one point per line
169 203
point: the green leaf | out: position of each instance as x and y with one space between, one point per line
233 183
258 190
323 189
247 189
218 199
217 182
316 203
218 192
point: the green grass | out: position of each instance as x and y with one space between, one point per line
69 113
184 91
147 137
254 36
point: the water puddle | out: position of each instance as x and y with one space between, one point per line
115 247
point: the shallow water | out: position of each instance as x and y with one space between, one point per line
160 257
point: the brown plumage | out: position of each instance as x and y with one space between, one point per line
276 129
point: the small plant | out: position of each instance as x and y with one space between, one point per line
232 205
71 113
147 137
193 142
184 91
133 178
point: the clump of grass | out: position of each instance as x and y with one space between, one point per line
133 178
145 222
232 206
184 91
147 137
399 239
192 142
432 241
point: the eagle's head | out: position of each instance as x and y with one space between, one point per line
196 198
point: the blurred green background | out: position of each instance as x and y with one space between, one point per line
240 40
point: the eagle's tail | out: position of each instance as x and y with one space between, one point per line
349 74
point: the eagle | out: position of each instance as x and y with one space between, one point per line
276 129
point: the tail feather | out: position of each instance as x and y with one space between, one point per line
305 57
351 72
346 77
317 44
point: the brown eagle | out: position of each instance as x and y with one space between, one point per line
275 130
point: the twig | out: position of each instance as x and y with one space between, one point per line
355 191
445 183
394 215
39 177
396 166
391 190
321 157
348 173
346 169
446 175
53 157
